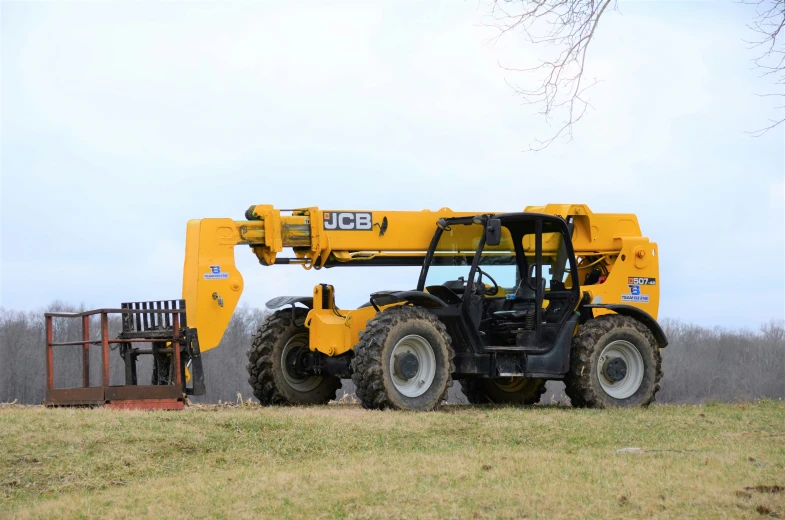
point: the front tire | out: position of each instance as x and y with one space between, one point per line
518 391
403 360
272 364
615 362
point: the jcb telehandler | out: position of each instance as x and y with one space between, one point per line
503 303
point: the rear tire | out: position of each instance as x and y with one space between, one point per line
269 364
594 381
403 361
518 391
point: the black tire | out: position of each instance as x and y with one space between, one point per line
266 373
517 391
582 383
373 377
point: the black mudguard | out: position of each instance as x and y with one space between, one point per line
640 315
283 301
419 298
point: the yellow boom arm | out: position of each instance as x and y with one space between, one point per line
212 285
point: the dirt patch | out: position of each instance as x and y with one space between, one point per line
764 510
767 489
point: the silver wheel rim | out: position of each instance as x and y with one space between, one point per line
426 370
635 368
301 384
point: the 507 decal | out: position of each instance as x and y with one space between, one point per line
641 281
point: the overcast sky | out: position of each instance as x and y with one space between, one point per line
122 121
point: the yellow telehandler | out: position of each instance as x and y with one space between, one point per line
503 303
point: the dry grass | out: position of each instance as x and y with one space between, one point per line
343 462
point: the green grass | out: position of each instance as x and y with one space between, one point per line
340 461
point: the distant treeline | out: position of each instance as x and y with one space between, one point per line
700 364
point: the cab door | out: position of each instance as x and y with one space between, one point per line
551 273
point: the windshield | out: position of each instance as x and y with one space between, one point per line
454 253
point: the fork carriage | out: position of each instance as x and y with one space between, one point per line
173 346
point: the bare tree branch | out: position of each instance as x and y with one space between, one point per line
566 28
769 29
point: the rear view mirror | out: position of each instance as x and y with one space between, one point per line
493 233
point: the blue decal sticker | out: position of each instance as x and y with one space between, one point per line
635 295
216 274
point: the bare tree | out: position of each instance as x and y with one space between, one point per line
699 364
769 29
564 30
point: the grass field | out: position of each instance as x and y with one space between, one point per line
340 461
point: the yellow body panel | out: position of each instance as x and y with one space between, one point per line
212 285
334 335
636 262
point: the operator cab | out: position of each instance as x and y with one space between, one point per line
508 281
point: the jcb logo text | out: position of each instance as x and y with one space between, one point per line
348 221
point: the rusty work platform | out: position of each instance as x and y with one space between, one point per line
158 323
152 397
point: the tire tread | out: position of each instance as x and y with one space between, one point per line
260 362
367 373
578 383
